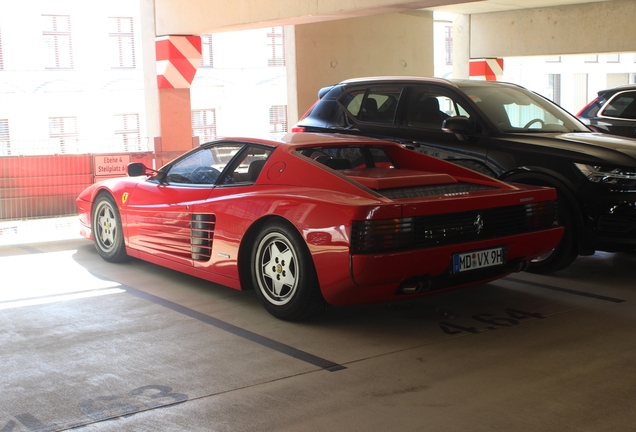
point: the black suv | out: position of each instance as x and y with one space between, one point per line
507 132
612 111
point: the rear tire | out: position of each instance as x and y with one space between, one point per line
567 251
107 230
283 274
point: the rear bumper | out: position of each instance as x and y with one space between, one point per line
377 277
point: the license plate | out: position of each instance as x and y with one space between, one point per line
466 261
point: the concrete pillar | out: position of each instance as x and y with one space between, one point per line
176 122
151 123
461 46
325 53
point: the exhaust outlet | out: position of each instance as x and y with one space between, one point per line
414 286
517 266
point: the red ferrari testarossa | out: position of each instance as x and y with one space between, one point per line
314 219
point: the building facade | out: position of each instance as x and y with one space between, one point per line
71 80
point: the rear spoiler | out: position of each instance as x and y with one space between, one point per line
323 91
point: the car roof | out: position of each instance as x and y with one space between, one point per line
311 139
305 138
618 89
394 79
430 80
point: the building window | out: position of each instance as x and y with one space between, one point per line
448 44
207 60
276 46
1 61
616 79
57 41
554 85
553 59
204 124
613 58
5 143
127 130
122 46
278 119
63 134
580 89
593 58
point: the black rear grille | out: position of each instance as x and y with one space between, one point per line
422 191
371 236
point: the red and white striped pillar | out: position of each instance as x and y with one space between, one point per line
178 58
490 69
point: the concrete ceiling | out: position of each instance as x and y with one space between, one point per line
210 16
475 7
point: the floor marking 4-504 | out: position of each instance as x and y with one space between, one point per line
512 317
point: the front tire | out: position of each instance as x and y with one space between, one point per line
283 274
107 231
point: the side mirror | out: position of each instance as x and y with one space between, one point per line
136 169
456 125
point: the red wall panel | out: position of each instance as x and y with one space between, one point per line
45 186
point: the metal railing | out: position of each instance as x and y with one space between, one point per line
41 186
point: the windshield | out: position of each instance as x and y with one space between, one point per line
518 110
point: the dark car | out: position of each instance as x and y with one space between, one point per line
507 132
612 111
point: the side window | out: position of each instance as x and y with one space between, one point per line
247 166
375 105
203 166
428 109
622 105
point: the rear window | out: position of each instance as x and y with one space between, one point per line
349 157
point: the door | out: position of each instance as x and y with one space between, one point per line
162 212
423 113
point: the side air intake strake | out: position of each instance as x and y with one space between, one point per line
372 236
201 234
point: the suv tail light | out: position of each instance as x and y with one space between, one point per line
587 107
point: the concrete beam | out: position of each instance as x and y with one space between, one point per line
577 29
185 17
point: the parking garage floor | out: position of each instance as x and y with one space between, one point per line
94 346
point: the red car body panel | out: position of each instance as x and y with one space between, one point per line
321 203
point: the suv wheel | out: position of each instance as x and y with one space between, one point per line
567 251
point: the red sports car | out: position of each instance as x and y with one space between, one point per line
318 219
